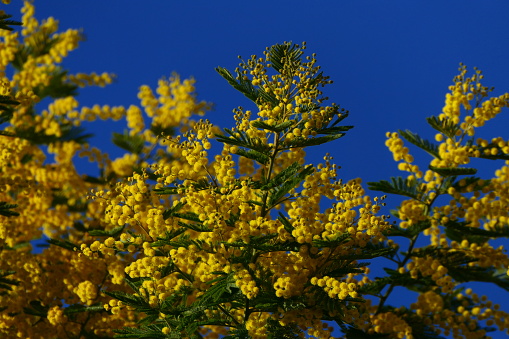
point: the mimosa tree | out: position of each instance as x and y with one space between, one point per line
201 231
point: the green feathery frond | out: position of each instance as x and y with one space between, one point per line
421 143
398 185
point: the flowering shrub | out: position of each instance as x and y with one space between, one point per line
178 240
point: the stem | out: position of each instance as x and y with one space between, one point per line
248 312
225 312
269 173
383 299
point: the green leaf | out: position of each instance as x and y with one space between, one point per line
445 126
395 278
159 130
480 274
167 190
191 216
371 251
238 332
8 134
5 24
131 143
501 155
166 240
240 83
257 149
286 223
7 100
421 143
274 128
276 331
6 283
452 171
341 268
376 286
222 290
69 133
282 176
279 192
6 111
332 241
254 155
311 141
63 243
58 87
409 232
145 332
459 231
79 308
40 45
334 130
199 227
355 333
171 211
115 232
128 298
94 180
285 55
36 308
398 186
6 209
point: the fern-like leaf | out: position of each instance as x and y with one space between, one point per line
279 192
312 141
452 171
446 127
5 23
6 209
241 84
68 245
421 143
285 55
131 143
398 186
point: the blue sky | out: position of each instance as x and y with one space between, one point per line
391 61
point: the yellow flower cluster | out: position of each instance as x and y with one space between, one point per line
391 323
86 291
56 316
39 176
230 209
412 212
473 203
462 321
91 79
175 104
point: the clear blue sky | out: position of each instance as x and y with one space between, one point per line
392 61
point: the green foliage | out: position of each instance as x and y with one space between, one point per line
5 23
6 283
131 143
115 232
6 110
57 87
452 171
398 186
242 84
69 132
419 142
63 243
446 127
6 209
